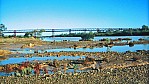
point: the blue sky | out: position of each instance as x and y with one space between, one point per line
38 14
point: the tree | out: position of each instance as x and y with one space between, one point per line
130 30
144 27
2 28
27 34
39 33
87 36
34 33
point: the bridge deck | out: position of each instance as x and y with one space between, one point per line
65 30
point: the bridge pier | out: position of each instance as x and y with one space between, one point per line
98 30
69 31
84 30
1 33
53 33
35 34
14 33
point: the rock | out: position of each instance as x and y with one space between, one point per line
30 45
131 44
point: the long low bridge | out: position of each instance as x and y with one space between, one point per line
66 30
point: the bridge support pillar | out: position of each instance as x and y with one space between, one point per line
53 33
69 31
1 33
84 30
14 33
98 30
35 34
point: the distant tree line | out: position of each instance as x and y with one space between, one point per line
144 31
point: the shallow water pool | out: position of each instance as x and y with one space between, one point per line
23 59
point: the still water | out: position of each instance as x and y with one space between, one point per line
105 49
134 38
96 49
23 59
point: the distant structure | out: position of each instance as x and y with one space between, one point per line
2 28
105 31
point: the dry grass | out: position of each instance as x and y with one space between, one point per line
18 40
4 52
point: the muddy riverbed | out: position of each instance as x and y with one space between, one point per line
115 67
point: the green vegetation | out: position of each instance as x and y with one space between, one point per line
144 27
87 36
10 36
2 28
144 31
34 33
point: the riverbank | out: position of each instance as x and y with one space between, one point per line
37 44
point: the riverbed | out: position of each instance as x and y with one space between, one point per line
120 58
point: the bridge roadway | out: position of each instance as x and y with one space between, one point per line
64 30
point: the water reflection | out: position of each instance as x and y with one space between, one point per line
108 49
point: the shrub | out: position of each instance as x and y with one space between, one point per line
87 36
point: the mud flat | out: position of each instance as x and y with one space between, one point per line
116 68
119 69
36 44
110 56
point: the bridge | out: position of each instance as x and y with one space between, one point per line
66 30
